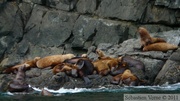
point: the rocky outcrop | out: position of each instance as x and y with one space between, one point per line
30 28
160 67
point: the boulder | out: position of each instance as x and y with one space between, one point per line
169 73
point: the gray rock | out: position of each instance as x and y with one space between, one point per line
11 28
86 6
122 9
96 31
156 14
84 30
173 4
34 1
170 71
66 5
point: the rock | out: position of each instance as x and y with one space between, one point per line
66 5
11 30
98 31
156 14
174 4
86 6
124 10
170 71
45 30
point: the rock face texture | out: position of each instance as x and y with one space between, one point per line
30 28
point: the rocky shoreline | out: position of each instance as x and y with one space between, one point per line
161 68
30 28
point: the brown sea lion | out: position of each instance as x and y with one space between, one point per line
146 39
133 62
28 64
19 84
126 78
160 47
46 93
53 60
65 67
100 53
101 67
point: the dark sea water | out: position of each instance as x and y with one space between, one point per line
83 94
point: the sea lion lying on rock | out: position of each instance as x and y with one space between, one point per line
126 78
18 84
28 64
146 39
85 68
53 60
160 47
133 62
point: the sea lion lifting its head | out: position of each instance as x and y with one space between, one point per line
146 39
19 84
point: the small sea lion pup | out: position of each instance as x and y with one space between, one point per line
126 78
28 64
146 39
132 62
19 84
160 47
53 60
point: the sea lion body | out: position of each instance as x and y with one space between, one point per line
160 47
101 67
53 60
19 84
126 78
146 39
28 64
133 63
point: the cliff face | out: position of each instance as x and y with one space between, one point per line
30 28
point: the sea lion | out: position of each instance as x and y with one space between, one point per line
101 67
122 66
53 60
46 93
19 84
28 64
132 62
126 78
146 39
160 47
100 53
85 68
65 67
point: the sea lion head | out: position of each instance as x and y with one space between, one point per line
37 58
69 56
84 55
